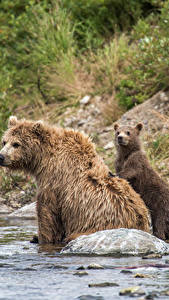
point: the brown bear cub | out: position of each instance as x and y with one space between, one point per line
132 164
76 194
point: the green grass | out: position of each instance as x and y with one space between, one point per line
54 53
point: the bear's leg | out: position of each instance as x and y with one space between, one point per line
50 228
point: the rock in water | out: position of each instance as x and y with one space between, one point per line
117 242
28 212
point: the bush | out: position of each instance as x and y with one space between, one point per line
98 19
148 69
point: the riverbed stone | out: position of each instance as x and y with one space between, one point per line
90 297
103 284
152 256
133 291
95 267
117 242
28 212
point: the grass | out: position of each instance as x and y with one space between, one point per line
59 52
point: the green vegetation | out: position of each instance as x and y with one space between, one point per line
56 51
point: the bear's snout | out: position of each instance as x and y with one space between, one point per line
120 139
1 159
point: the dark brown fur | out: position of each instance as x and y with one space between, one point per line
132 164
75 194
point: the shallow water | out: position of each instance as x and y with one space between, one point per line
28 271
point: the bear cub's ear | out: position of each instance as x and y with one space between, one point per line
139 127
116 126
38 128
12 121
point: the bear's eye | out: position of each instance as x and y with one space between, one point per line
3 143
16 145
128 132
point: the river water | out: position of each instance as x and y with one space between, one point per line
28 271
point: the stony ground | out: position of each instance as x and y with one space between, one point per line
90 118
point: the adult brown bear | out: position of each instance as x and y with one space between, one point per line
75 193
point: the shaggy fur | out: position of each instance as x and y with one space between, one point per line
75 192
132 164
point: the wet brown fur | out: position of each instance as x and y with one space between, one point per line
132 164
75 193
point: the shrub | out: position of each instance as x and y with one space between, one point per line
148 68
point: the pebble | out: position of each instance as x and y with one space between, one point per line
139 275
103 284
109 145
150 256
151 296
166 261
95 267
90 297
85 100
80 268
126 271
165 293
132 291
82 122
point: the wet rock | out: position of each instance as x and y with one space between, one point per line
55 267
151 296
81 268
126 272
133 291
139 275
81 273
95 267
117 242
103 284
165 293
28 211
152 256
90 297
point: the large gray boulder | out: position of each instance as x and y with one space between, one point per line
117 242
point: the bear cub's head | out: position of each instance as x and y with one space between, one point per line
126 135
21 144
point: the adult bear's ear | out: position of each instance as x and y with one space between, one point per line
116 126
12 121
38 128
139 127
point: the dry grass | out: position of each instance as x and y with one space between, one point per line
107 64
111 109
157 149
71 83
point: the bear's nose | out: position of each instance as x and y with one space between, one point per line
120 138
1 159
